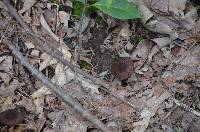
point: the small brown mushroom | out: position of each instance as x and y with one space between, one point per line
122 68
11 117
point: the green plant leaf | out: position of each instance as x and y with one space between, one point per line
120 9
82 1
77 9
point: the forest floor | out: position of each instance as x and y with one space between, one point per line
63 72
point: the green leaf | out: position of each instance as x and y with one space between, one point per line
82 1
77 9
120 9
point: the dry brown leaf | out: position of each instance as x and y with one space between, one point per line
158 90
7 103
146 13
187 66
9 90
142 50
35 53
47 28
39 104
29 45
64 18
169 81
162 42
6 64
27 5
28 104
177 7
75 90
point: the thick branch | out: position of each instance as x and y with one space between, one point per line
68 99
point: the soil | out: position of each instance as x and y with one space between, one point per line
102 58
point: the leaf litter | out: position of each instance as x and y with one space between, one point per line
163 87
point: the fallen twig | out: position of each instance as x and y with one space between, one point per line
179 103
185 107
68 99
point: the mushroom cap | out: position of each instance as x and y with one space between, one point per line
11 117
122 68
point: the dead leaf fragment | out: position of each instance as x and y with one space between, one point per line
27 5
162 42
9 91
64 18
142 50
47 27
177 6
29 45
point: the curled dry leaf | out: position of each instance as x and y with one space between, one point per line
41 92
141 53
160 27
119 39
146 13
142 50
47 28
47 61
161 42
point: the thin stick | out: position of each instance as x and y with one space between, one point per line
179 103
185 107
68 99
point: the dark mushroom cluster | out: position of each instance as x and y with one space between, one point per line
122 68
11 117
